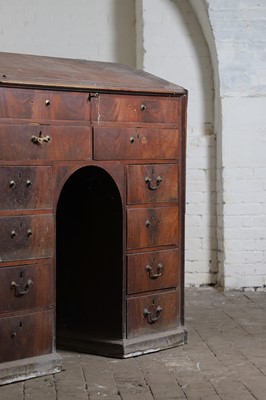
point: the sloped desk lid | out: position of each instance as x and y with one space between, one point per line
53 72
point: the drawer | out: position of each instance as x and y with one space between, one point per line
26 237
148 227
152 314
26 335
39 142
135 143
127 108
25 188
43 104
152 183
152 271
26 286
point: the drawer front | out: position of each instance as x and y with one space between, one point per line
26 335
36 142
148 227
25 188
139 143
152 183
26 237
135 109
26 286
151 314
152 271
43 104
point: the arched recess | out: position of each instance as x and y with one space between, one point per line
202 12
172 44
89 258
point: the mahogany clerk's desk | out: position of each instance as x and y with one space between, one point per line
92 182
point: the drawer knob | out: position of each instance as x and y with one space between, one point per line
47 103
151 318
40 139
143 107
18 290
150 185
158 272
28 183
148 223
13 334
12 184
29 232
132 140
13 233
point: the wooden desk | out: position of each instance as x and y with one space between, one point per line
92 203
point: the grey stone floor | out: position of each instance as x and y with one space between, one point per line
225 359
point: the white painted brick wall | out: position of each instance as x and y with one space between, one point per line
245 226
239 29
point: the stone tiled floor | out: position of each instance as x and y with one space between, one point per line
225 359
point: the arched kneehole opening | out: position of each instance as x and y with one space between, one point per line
88 259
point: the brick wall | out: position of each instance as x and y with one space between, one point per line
236 34
174 48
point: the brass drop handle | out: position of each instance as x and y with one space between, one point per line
150 185
143 107
157 274
18 290
152 318
39 140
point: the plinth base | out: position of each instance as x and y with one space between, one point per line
19 370
121 348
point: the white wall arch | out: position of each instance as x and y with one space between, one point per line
171 44
201 8
235 31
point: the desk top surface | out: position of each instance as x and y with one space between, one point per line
62 73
